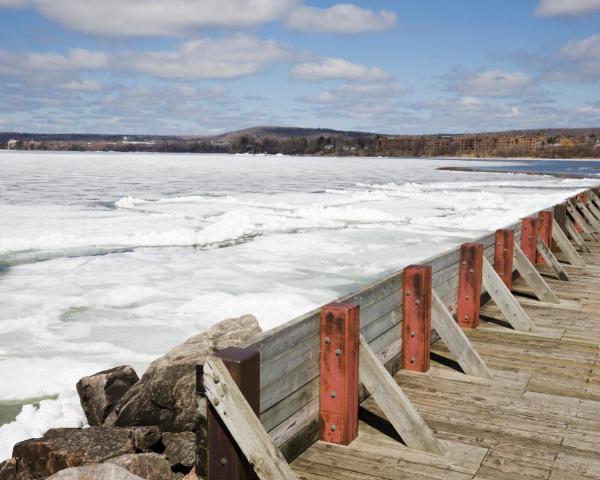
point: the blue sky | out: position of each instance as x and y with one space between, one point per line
205 66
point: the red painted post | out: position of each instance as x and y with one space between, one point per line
218 456
340 330
416 315
545 218
470 273
503 255
529 232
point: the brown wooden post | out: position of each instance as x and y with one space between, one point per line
416 315
470 273
504 254
340 332
529 232
560 215
545 218
217 456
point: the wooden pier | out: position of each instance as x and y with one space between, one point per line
481 363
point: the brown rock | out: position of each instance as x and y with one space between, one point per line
72 447
165 395
180 449
150 466
104 471
99 392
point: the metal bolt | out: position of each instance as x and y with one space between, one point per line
216 379
333 428
466 317
332 394
467 297
216 402
417 302
327 340
471 270
412 334
412 359
223 461
408 293
338 352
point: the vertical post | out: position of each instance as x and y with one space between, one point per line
416 315
469 284
560 215
504 254
218 457
529 233
545 220
340 333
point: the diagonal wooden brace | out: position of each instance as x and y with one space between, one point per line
243 424
588 215
580 221
578 239
456 340
561 239
394 403
533 278
502 296
551 260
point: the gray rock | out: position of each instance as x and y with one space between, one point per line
104 471
165 395
150 466
99 392
180 448
72 447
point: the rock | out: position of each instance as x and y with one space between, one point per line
99 392
150 466
72 447
165 395
10 470
180 449
104 471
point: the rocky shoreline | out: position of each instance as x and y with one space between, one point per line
139 428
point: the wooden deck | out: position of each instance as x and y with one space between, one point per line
538 418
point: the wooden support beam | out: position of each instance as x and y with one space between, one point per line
560 215
580 221
533 278
551 261
469 284
512 310
394 403
588 215
456 340
545 218
529 231
562 241
594 198
416 316
242 423
503 255
218 455
589 202
340 329
578 239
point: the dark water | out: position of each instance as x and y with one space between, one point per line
578 168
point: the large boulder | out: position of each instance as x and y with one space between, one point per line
165 395
61 448
104 471
99 392
180 449
149 466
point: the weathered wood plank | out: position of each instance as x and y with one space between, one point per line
400 412
566 246
576 216
532 277
514 313
241 421
551 260
574 234
456 341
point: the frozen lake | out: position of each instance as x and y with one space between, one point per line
110 259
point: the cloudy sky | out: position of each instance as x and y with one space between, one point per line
205 66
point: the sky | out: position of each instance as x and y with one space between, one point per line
197 67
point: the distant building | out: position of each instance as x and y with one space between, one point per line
135 142
12 144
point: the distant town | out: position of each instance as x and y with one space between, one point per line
550 143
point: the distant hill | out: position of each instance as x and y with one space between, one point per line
281 133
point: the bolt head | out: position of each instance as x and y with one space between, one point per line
333 428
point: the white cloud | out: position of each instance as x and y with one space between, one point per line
584 50
232 57
549 8
492 83
340 18
81 86
76 59
157 17
337 68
